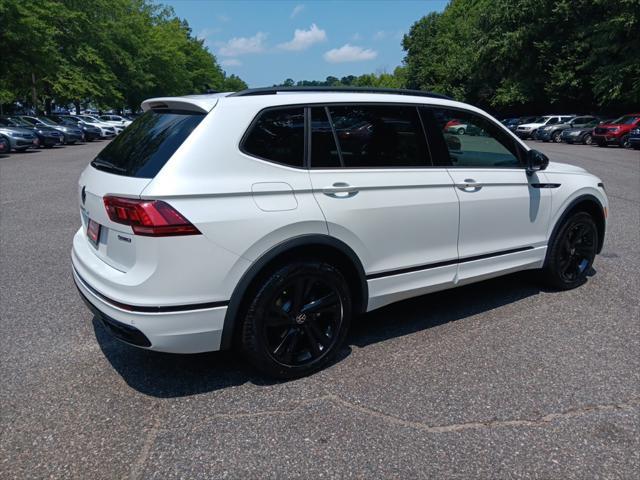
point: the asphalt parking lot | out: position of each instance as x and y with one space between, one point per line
494 380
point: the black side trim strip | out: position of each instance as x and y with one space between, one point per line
149 309
418 268
545 185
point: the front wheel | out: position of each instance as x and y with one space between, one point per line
571 252
588 139
624 142
297 321
556 137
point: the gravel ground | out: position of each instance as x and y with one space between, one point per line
495 380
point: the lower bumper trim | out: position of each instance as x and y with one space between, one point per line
119 330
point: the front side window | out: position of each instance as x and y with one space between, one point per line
375 136
278 136
466 139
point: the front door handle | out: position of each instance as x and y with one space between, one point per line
469 185
340 190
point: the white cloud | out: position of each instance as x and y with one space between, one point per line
296 10
356 36
223 18
380 35
303 39
243 45
349 53
207 32
231 62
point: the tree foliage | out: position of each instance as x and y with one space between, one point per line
520 54
378 80
108 52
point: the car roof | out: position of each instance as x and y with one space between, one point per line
266 97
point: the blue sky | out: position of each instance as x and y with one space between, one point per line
265 42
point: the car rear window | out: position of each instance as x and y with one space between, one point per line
144 147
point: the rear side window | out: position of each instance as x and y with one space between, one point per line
374 136
278 136
147 144
324 152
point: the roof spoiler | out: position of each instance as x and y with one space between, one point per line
196 105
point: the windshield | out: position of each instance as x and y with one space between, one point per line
19 122
47 121
147 144
541 120
89 119
626 120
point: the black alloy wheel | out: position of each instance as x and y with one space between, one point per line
298 320
572 252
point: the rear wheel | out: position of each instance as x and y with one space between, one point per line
460 131
571 252
624 142
297 321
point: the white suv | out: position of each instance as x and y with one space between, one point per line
267 218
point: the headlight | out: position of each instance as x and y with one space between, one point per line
574 133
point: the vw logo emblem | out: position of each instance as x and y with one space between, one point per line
301 318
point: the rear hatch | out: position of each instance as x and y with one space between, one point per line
123 169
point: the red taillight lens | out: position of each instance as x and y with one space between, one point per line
152 218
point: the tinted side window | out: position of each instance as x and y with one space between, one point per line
380 136
465 139
278 135
324 152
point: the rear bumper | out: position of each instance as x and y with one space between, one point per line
176 331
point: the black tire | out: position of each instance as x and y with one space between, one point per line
624 142
555 136
587 139
460 131
297 320
602 144
571 252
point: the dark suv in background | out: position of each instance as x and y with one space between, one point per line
553 133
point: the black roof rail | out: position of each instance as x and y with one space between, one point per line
395 91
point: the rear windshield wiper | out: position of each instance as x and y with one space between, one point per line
107 166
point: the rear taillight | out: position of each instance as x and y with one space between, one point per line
152 218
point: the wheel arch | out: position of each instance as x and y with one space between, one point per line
312 245
584 203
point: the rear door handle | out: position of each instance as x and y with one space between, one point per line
340 190
469 185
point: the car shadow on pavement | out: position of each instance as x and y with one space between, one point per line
166 375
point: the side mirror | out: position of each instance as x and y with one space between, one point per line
536 161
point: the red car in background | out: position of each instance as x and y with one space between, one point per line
616 132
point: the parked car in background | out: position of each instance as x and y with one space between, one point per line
47 136
4 144
616 132
19 138
634 138
70 133
106 130
582 134
553 133
116 120
530 130
90 132
511 123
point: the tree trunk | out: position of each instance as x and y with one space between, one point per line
77 105
34 95
47 106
